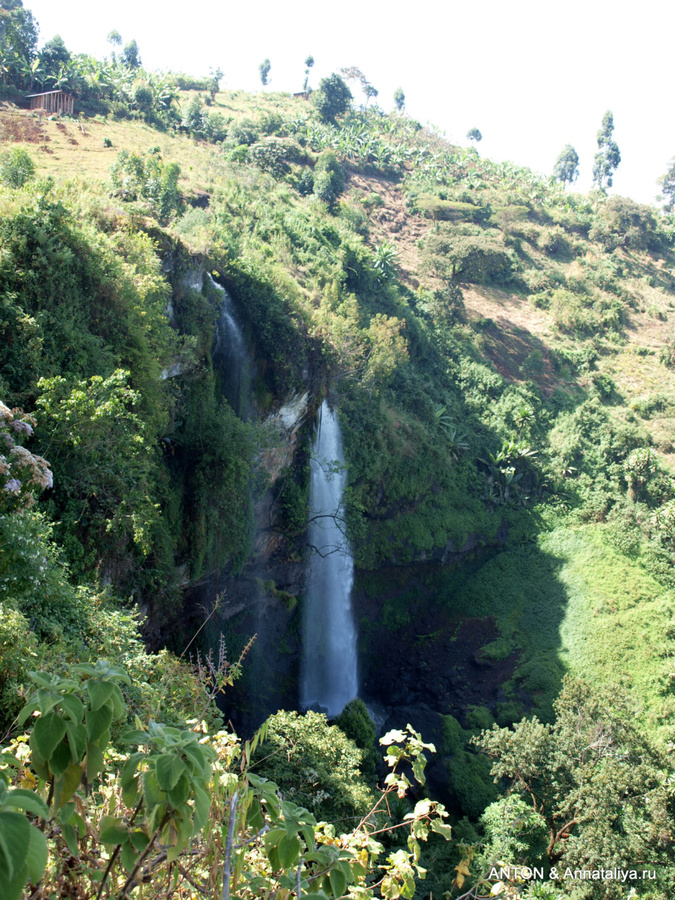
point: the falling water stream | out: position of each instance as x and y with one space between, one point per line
329 671
231 356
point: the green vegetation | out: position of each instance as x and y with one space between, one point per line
499 350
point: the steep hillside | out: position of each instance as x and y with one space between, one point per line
499 352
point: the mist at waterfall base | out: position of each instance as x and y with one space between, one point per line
329 663
231 356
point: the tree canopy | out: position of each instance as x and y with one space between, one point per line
667 183
608 157
264 70
593 777
566 167
332 98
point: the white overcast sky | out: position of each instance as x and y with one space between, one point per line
532 75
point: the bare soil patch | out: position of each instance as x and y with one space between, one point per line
392 222
18 126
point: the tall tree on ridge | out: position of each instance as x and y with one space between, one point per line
608 157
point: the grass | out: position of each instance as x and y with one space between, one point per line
570 602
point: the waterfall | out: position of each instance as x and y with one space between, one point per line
231 357
329 677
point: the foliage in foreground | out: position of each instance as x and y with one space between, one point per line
179 810
589 792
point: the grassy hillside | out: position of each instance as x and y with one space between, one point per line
498 347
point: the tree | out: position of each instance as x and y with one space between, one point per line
473 134
566 168
352 73
667 183
608 157
215 77
18 40
264 69
332 98
595 779
370 92
114 38
131 56
309 62
399 99
54 58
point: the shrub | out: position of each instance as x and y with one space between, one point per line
533 364
554 242
243 131
449 210
621 222
16 167
667 354
306 182
135 177
329 178
476 258
318 765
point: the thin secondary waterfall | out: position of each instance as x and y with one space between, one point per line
329 675
231 356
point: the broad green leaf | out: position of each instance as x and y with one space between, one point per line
72 706
113 830
273 837
14 837
36 857
99 693
179 794
65 787
254 816
338 882
196 755
66 812
139 839
134 736
48 733
60 759
169 768
117 702
95 761
288 849
114 836
77 741
80 824
202 802
70 837
151 789
128 856
23 799
98 722
11 886
308 834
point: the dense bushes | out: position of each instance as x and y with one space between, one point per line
476 257
620 222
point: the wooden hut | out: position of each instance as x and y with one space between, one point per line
52 102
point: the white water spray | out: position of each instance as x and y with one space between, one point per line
230 354
329 671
